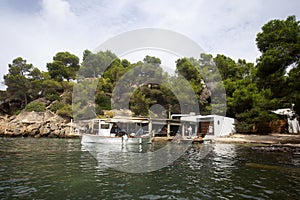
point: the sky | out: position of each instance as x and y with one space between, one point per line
37 29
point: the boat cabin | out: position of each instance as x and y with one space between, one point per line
118 127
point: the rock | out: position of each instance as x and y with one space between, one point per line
284 148
29 117
53 127
12 118
51 117
44 130
33 124
33 129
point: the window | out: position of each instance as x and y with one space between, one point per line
104 126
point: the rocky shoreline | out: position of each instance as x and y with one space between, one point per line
284 148
285 143
36 124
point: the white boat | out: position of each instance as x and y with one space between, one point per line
104 133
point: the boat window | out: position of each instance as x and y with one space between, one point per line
104 126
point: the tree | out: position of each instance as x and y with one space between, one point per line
18 79
152 60
36 83
293 83
95 64
279 43
114 71
64 66
139 104
51 89
227 67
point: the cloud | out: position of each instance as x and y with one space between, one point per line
57 12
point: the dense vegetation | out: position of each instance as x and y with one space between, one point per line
251 90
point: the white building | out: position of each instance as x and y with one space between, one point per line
210 125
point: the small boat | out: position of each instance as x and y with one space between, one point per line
110 133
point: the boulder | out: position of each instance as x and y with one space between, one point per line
53 126
29 117
44 130
33 129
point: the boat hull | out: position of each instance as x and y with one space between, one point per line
89 138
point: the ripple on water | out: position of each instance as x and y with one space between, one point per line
154 197
21 191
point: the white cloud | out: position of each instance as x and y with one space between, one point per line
224 26
57 12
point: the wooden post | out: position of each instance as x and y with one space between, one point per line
71 127
169 122
182 129
92 126
150 128
168 128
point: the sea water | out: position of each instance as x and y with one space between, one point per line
62 169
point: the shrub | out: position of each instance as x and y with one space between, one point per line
65 111
17 112
56 106
53 97
35 107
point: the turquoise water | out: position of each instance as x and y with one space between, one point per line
62 169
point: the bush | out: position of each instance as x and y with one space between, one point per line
17 112
35 107
56 106
53 97
65 111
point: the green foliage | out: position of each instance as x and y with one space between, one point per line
52 89
56 106
17 112
187 70
293 88
83 100
103 102
18 80
227 67
65 111
279 43
139 104
125 63
94 65
114 71
152 60
64 66
35 106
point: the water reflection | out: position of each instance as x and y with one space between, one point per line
135 158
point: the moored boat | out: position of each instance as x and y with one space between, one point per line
109 133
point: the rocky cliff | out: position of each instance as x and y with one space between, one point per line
35 124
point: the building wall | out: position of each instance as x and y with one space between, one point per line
212 124
223 126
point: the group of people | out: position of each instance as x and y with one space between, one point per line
121 132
